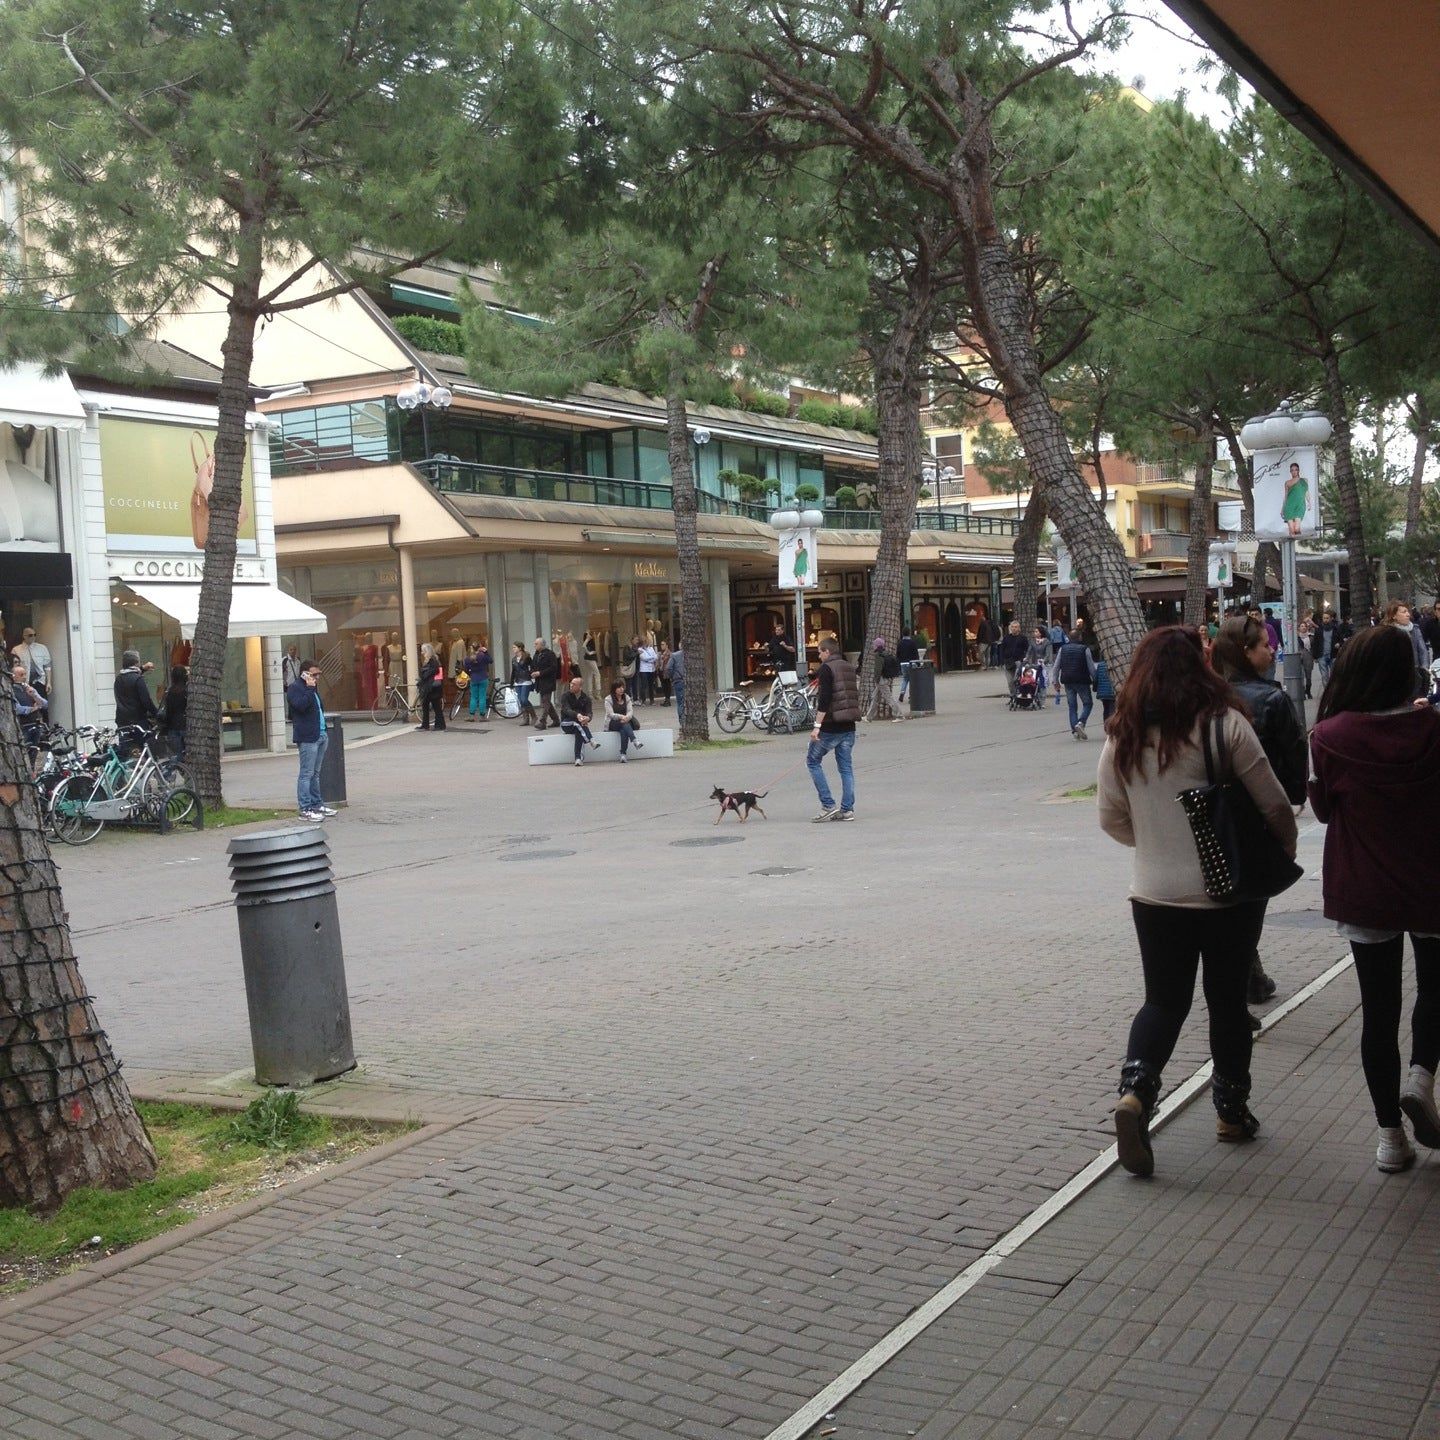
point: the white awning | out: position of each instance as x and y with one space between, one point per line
30 397
254 610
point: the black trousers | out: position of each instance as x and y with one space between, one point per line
434 699
1174 943
1378 968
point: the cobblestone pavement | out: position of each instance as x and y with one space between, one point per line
765 1096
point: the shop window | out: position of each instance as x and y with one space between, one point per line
654 456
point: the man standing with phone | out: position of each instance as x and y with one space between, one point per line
308 715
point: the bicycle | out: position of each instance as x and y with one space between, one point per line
110 787
784 710
392 705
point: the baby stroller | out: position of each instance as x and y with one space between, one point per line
1029 688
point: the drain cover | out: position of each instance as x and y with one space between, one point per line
782 870
539 855
708 840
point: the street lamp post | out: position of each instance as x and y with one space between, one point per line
783 520
1289 433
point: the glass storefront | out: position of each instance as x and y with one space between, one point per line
361 646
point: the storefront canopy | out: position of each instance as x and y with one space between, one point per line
30 397
254 610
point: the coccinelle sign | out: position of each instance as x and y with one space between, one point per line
174 567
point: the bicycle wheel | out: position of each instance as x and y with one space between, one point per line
797 707
70 809
459 703
732 713
388 708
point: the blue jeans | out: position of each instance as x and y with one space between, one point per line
307 790
1074 693
841 743
679 688
904 679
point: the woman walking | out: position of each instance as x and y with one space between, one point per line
647 658
620 717
1170 698
172 711
432 688
478 669
662 671
1243 656
1377 788
520 676
1397 613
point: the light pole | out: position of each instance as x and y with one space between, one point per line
783 521
424 397
1287 439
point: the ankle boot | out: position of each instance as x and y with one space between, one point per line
1233 1118
1139 1090
1260 987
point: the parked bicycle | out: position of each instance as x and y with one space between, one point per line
110 787
392 704
783 711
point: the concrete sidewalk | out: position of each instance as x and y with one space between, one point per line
713 1118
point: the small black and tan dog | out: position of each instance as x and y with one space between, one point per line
742 802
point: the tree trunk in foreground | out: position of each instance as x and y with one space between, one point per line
212 622
1362 584
694 612
66 1117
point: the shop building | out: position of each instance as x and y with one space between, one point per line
123 459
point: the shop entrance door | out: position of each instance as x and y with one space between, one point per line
954 641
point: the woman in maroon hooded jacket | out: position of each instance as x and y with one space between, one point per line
1377 786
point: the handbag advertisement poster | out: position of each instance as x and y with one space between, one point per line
158 479
1287 492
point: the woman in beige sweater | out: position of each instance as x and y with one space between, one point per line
1151 754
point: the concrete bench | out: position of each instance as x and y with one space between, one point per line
557 747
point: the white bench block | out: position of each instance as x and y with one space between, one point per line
556 747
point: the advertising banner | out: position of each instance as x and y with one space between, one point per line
1287 492
799 560
157 487
1222 568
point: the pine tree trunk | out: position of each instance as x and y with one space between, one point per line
66 1118
1362 585
898 393
1027 555
694 611
1415 494
1197 556
212 622
1103 568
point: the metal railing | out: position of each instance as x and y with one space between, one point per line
467 477
1164 544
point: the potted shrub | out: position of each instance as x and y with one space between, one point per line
751 487
922 641
924 493
845 497
807 493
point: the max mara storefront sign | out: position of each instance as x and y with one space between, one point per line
177 567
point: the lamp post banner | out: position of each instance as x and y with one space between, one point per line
799 559
1222 568
1287 492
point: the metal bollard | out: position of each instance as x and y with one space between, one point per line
291 950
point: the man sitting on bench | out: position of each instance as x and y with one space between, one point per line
575 713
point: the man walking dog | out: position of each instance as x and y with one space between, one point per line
837 708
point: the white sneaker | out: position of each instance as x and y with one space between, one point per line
828 813
1394 1152
579 762
624 759
326 811
313 816
1417 1100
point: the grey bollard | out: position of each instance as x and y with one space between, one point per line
294 962
332 767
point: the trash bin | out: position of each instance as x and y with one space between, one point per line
291 951
922 688
332 767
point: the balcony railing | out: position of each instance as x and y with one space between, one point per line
1164 544
466 477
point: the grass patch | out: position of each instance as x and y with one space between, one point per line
1085 792
732 743
225 815
208 1159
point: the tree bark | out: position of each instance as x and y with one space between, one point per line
66 1117
898 361
1026 572
212 622
694 611
1415 494
1197 557
1362 585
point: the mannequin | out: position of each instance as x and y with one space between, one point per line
395 661
369 671
457 653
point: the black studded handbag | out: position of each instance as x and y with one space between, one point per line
1240 857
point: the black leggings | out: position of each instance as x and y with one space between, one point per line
1378 969
1174 941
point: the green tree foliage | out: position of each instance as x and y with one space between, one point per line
228 157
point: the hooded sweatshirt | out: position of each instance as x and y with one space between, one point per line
1376 785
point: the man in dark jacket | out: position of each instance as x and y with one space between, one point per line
907 652
837 708
308 715
1075 670
1012 652
134 704
1326 640
575 712
545 672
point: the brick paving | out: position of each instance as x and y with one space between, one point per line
768 1113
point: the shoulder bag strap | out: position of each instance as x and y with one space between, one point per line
1209 758
1222 749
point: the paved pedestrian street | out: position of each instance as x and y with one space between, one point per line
712 1110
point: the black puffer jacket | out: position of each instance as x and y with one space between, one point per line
1280 734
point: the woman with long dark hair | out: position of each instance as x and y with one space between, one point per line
1242 654
1377 787
1152 753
